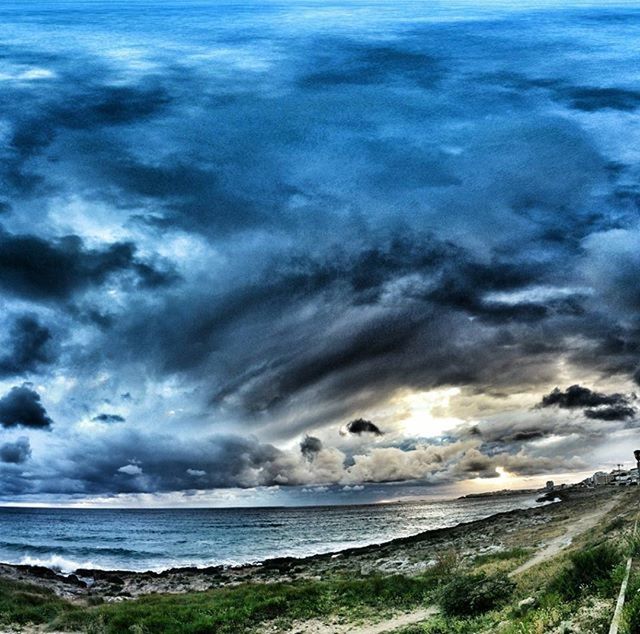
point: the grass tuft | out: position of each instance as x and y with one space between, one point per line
472 594
23 603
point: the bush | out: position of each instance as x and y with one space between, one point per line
446 562
590 569
468 595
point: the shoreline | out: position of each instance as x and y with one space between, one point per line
404 554
89 572
364 590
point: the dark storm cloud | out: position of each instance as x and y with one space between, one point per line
478 465
362 426
21 406
108 418
72 103
512 432
131 462
310 446
190 197
29 347
577 396
441 278
54 269
15 452
615 412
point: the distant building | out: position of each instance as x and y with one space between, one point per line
600 478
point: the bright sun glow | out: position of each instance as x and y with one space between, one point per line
428 412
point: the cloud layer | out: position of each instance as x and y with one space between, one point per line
227 240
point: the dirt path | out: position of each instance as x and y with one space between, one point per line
576 528
390 625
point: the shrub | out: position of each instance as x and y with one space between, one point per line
473 594
446 562
590 569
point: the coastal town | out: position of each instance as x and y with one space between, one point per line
616 477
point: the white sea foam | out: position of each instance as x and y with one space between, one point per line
57 563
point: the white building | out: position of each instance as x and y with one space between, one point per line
600 478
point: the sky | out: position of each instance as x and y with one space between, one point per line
286 252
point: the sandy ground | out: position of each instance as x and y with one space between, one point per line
389 625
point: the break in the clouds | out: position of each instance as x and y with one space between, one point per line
343 247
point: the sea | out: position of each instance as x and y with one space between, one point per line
65 539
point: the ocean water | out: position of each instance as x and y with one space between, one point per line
156 539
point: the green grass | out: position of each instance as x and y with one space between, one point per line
470 602
502 555
248 607
468 595
236 609
563 589
23 603
631 612
590 569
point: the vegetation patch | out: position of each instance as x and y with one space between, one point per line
236 609
616 524
502 555
473 594
590 569
23 603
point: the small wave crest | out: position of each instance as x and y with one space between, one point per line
56 563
